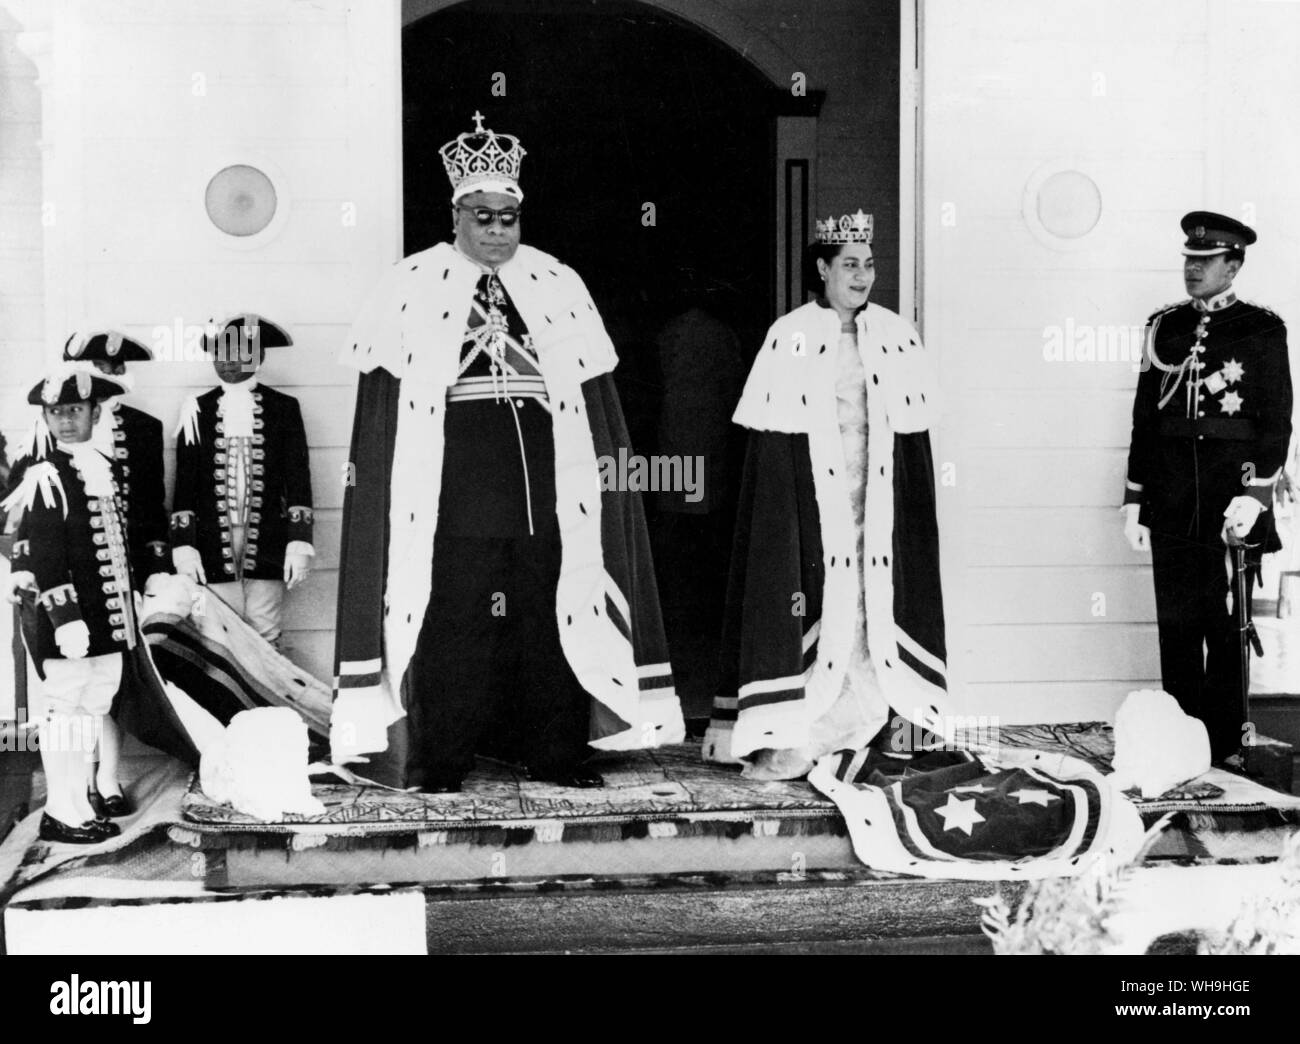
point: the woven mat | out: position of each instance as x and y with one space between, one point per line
668 792
157 785
665 783
675 783
1218 791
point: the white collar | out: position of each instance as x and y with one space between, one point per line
1216 303
237 405
95 469
103 434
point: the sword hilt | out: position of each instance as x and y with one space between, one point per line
1253 636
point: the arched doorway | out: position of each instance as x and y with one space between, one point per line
649 170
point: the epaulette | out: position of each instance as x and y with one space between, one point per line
42 476
1165 310
1263 308
38 441
188 424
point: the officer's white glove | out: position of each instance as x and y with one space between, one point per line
188 562
1288 490
73 639
1137 535
296 568
1240 516
21 581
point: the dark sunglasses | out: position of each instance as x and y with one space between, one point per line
486 215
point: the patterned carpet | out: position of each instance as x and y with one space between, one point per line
666 783
373 833
672 783
1218 791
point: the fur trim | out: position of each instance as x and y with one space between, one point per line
796 366
413 325
791 388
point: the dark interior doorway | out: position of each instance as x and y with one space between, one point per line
620 106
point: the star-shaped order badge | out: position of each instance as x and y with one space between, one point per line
1034 797
1230 403
1233 371
958 814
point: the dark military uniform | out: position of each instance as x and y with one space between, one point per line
76 549
484 681
498 470
138 471
135 446
278 505
1211 422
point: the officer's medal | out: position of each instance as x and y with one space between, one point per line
1231 373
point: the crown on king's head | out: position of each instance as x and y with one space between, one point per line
483 161
850 228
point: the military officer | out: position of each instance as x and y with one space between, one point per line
1211 426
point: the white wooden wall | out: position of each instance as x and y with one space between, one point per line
146 101
139 102
1169 106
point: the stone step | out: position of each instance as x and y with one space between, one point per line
692 911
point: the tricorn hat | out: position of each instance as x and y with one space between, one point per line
246 336
105 346
71 382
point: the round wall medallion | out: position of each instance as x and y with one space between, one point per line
240 200
1069 204
1061 205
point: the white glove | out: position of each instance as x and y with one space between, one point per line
1288 490
73 639
296 568
21 581
1240 516
1137 535
188 562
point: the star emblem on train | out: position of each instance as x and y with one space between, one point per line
958 814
